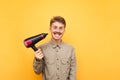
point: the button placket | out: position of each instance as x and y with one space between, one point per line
57 62
56 49
57 66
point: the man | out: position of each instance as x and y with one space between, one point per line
56 59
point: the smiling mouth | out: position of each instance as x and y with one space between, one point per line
57 33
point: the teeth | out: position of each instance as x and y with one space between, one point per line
57 35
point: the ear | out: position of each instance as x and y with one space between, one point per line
50 28
64 29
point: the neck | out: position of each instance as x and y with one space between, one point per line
56 41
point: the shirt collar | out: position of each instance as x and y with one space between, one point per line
55 45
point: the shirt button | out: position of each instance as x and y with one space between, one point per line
56 50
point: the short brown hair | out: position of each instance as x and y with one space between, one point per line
58 19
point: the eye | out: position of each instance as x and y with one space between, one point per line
60 28
54 27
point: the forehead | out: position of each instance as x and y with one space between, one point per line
58 24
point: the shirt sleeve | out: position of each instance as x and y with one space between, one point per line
38 66
73 66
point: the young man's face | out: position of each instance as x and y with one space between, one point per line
57 30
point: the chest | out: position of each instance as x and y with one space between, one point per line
52 53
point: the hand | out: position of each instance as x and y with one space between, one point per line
38 54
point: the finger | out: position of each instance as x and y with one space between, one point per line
39 54
37 51
39 57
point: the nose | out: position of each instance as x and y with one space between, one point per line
57 30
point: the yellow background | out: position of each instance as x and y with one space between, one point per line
93 28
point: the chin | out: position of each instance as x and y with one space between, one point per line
56 38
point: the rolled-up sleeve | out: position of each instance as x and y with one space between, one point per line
38 66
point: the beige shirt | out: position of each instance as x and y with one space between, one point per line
59 62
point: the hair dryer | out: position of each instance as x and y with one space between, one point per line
30 42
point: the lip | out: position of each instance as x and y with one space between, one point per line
57 33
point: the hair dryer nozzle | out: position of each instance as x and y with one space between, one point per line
44 34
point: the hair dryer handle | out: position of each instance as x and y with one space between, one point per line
34 48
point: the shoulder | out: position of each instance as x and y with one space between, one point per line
70 46
44 45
